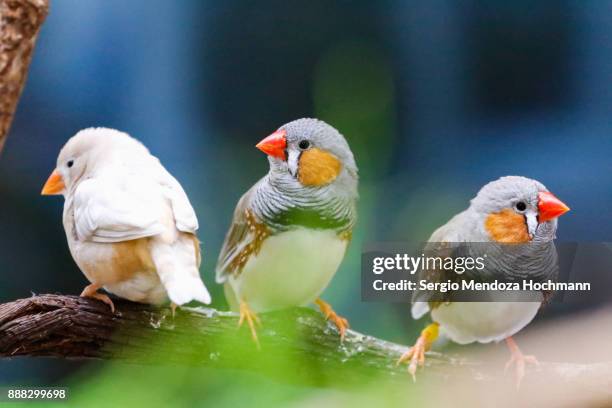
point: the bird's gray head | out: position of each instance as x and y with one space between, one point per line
310 153
87 151
517 209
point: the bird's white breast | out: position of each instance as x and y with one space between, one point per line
484 322
291 269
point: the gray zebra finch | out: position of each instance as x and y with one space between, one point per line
290 231
510 210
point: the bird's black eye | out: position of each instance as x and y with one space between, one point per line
70 163
521 206
304 144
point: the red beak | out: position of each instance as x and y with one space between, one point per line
274 145
550 207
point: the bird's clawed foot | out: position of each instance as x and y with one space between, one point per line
251 318
416 354
91 291
340 322
519 360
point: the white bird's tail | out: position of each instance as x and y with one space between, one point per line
177 267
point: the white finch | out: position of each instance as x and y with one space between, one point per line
290 231
129 224
509 210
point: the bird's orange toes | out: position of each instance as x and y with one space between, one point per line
519 360
416 356
416 353
91 291
340 322
246 314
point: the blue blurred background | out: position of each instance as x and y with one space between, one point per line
436 98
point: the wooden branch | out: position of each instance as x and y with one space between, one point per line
20 21
74 327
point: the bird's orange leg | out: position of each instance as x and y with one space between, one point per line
340 322
416 353
91 291
519 360
251 318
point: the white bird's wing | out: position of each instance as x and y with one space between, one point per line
117 208
184 215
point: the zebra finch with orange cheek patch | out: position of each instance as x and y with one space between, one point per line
510 210
290 231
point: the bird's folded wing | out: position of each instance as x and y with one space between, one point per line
184 215
424 300
440 244
118 208
237 239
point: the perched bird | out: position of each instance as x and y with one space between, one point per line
290 231
129 224
510 210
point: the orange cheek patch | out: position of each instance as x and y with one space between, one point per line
507 226
317 167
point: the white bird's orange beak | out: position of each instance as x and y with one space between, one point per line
550 207
54 185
